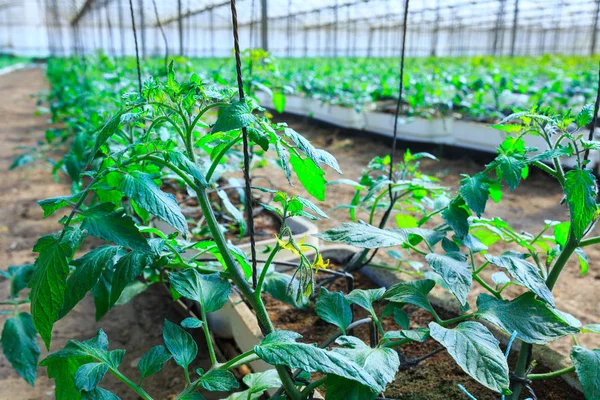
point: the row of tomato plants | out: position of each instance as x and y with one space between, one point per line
121 160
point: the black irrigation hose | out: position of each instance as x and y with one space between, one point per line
247 178
594 119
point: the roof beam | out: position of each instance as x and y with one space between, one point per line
195 12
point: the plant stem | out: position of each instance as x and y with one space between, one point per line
487 287
552 374
209 343
590 241
219 156
312 386
138 390
236 360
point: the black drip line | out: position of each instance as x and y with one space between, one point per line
137 52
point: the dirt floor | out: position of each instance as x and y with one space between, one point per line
136 326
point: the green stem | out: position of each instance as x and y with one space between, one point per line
237 361
263 273
209 343
312 386
590 241
553 374
487 287
544 168
138 390
204 110
219 156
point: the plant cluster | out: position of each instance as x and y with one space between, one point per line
166 133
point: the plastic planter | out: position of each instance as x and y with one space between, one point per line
438 130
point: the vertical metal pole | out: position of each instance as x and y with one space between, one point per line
499 23
264 25
335 28
121 28
289 29
595 29
180 27
370 42
142 28
436 31
514 29
211 16
305 42
347 31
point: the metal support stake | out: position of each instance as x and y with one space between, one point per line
514 29
595 29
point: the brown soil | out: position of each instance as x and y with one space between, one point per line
436 378
535 200
136 326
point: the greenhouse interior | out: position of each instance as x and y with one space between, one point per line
284 199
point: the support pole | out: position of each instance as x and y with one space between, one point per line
264 25
499 27
514 29
595 29
180 27
436 31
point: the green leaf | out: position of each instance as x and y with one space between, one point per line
510 169
257 383
191 323
88 376
413 292
279 102
219 381
312 206
533 320
585 116
594 328
285 288
455 273
131 290
140 187
581 190
87 273
317 155
475 191
417 335
284 160
62 370
456 216
365 298
153 361
381 363
310 175
334 308
19 276
281 348
259 137
19 345
344 389
101 293
56 203
211 291
98 394
181 345
587 367
476 351
106 132
235 116
127 268
561 232
233 211
406 221
364 235
113 226
187 165
508 128
48 284
583 260
525 273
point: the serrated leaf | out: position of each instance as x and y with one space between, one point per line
233 211
334 308
211 291
114 226
476 351
455 273
364 235
417 335
191 323
525 273
585 116
312 206
140 187
475 191
219 381
259 137
279 102
532 319
98 394
89 375
510 169
594 328
56 203
310 175
380 362
20 276
257 383
48 284
587 367
581 190
180 344
236 116
509 128
281 348
19 345
153 361
87 273
127 268
344 389
457 216
413 292
285 288
365 298
106 132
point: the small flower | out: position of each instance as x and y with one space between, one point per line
294 247
320 264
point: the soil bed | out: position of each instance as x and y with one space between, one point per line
436 378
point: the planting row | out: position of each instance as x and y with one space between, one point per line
151 173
